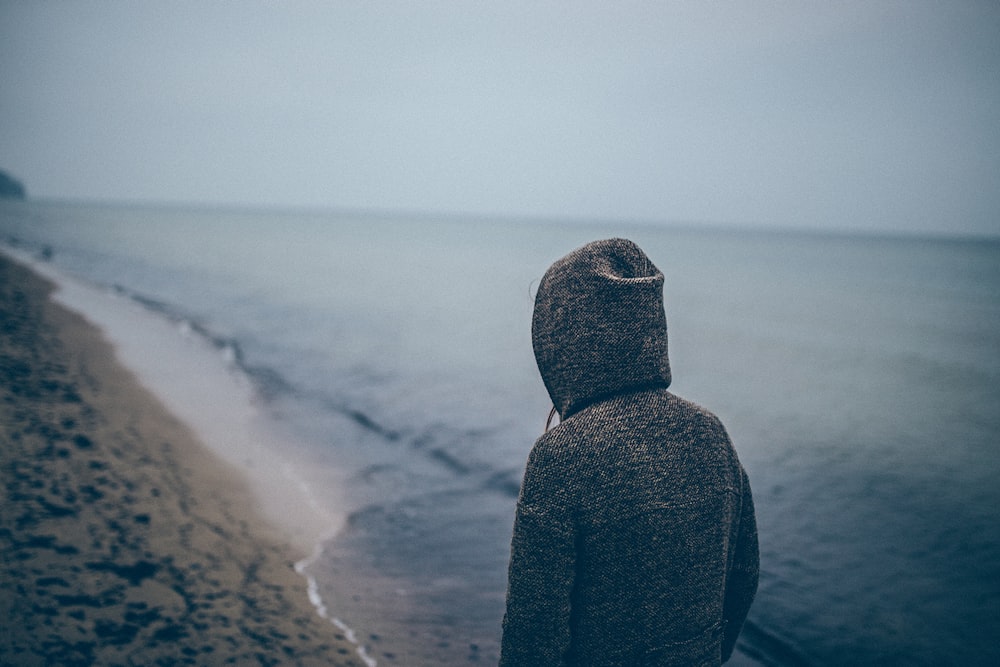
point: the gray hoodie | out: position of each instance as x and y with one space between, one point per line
634 541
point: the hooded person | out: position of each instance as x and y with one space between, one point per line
634 540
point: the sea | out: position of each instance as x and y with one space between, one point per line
858 376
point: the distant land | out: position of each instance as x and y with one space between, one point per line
10 187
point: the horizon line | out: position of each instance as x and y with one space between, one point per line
679 224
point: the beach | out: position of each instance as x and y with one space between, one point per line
371 380
123 540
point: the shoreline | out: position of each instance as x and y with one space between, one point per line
197 383
124 537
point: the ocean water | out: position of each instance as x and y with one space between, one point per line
858 376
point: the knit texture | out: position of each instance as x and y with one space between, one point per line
599 326
634 541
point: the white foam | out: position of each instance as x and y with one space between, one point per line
317 601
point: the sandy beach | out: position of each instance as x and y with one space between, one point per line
122 539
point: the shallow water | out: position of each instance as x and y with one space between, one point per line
859 378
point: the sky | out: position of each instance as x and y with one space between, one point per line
826 115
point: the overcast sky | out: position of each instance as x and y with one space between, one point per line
854 114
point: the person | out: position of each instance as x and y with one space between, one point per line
634 540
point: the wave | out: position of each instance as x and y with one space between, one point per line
437 442
269 383
449 446
446 445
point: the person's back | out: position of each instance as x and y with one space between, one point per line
635 540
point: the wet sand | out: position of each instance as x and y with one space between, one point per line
122 539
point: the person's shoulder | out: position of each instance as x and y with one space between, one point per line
560 446
554 442
694 413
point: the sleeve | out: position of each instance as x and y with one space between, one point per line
741 582
541 573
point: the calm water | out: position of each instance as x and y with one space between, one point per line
859 378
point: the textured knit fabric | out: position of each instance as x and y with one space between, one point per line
635 541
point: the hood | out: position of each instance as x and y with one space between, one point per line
599 328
